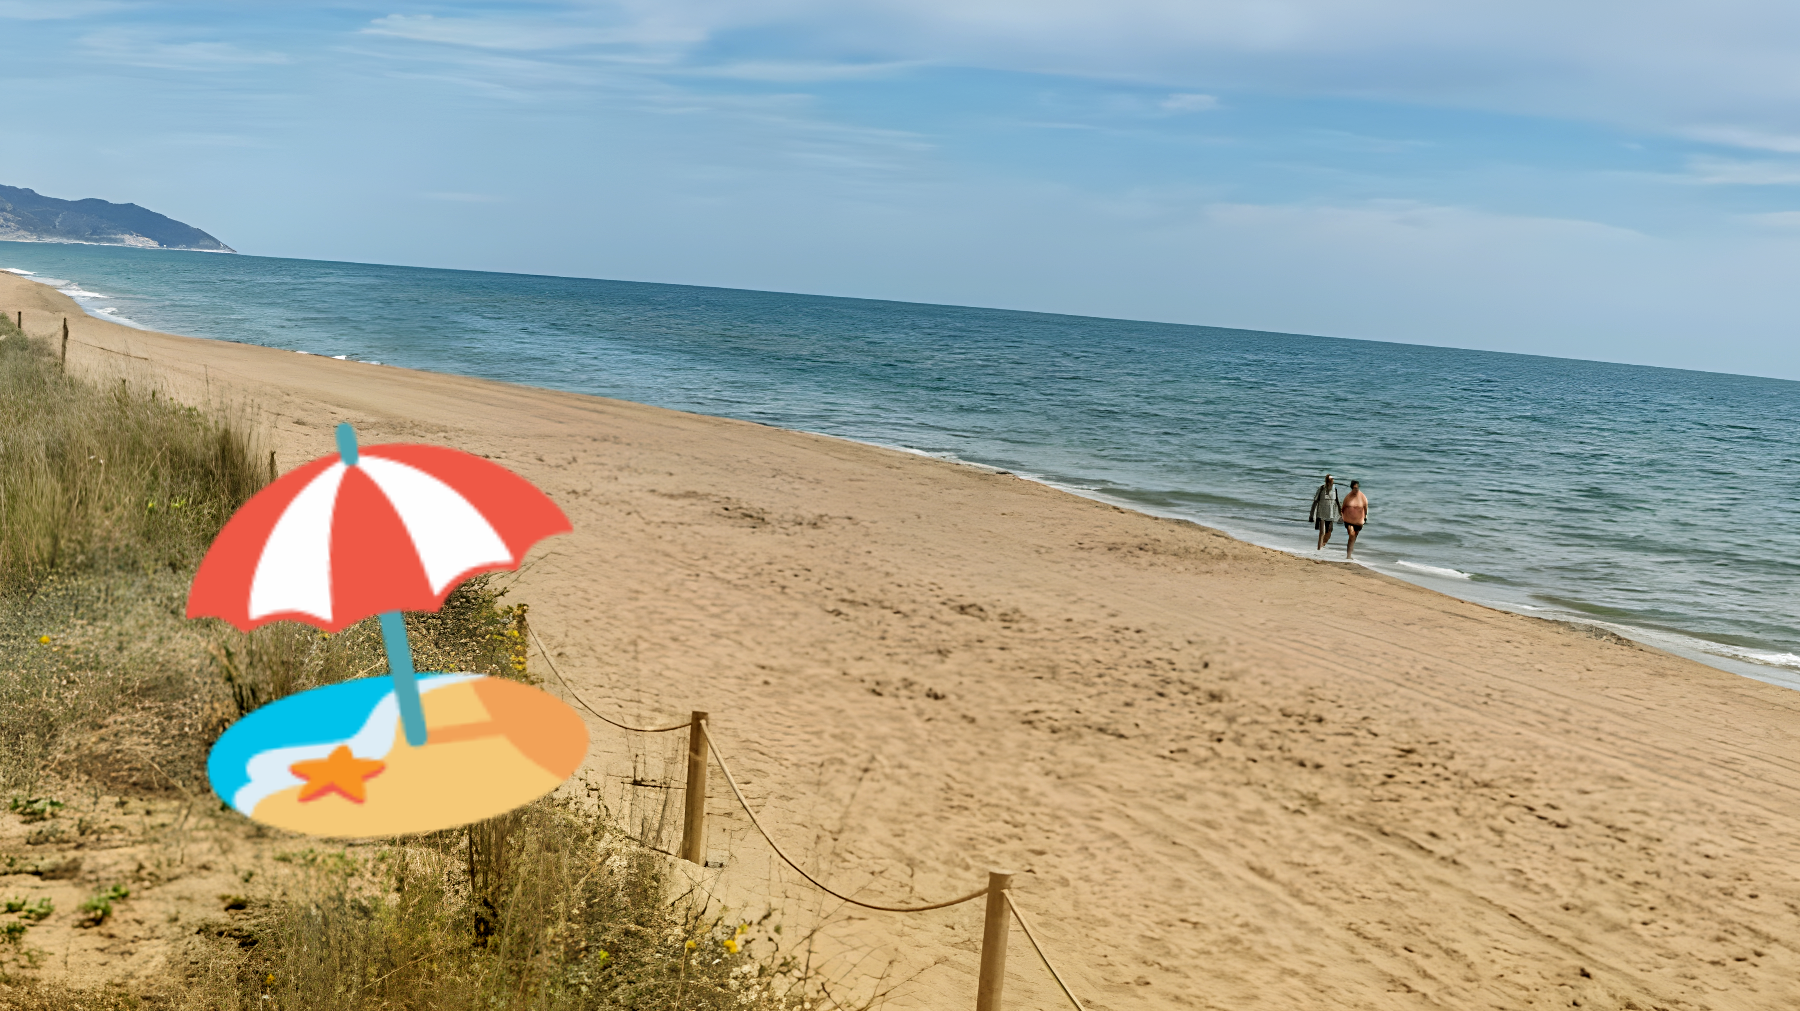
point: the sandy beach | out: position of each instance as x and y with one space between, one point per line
1227 777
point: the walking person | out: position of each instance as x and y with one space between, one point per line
1355 512
1324 511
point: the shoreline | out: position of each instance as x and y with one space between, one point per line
1522 576
1227 775
1664 640
1723 646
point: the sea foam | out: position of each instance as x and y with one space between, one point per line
1436 570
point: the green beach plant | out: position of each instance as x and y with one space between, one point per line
96 909
38 910
108 496
33 809
93 476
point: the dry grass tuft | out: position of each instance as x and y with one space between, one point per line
108 498
107 477
546 908
472 632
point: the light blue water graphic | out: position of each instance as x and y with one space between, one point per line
1655 501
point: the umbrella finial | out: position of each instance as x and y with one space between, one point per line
346 440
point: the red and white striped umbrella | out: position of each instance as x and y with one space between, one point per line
369 530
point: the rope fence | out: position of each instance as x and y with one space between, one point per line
97 347
1035 946
815 882
67 340
583 702
701 744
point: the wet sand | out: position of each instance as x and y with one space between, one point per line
1228 777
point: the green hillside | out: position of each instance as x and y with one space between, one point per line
26 215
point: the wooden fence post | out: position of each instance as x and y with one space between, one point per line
693 827
993 943
65 347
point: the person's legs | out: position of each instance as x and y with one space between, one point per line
1350 531
1324 535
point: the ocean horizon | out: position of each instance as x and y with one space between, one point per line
1643 500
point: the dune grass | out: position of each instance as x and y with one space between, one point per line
108 498
111 496
545 908
93 477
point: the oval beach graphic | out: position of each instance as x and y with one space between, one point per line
334 761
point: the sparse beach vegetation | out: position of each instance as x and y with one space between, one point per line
547 907
109 700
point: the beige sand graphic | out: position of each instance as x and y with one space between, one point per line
493 745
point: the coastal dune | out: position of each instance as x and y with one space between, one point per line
1227 777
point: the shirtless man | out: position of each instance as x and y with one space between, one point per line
1355 510
1324 512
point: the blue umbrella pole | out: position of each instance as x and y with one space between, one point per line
406 686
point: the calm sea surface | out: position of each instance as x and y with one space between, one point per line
1652 500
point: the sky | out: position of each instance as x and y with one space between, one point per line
1610 180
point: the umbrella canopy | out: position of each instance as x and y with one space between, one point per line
368 530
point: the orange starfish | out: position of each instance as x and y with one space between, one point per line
340 771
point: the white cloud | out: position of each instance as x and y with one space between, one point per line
1725 73
56 10
530 34
804 72
145 49
1731 172
1782 220
1670 65
1734 136
1189 102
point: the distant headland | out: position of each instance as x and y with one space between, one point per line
27 216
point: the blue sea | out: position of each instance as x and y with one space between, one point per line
1654 502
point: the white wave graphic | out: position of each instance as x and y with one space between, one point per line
15 270
1436 571
270 772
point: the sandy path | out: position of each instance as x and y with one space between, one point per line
1234 778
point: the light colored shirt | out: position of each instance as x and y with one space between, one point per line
1325 504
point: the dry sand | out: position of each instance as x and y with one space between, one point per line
1229 777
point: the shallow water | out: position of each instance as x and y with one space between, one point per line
1654 500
